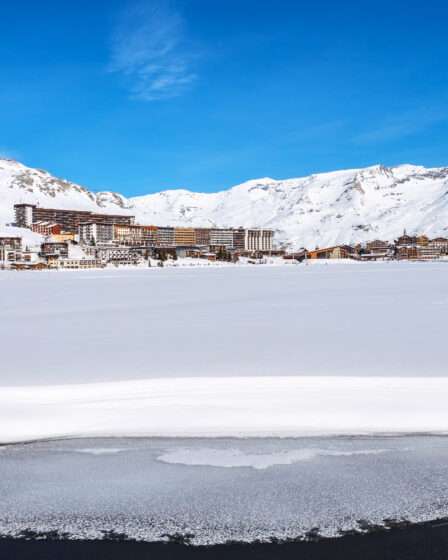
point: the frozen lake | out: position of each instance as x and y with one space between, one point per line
357 319
343 348
221 489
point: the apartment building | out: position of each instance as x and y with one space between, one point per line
184 236
422 240
117 255
69 220
258 239
135 235
24 215
46 228
220 237
440 243
239 239
149 235
405 239
76 264
202 237
92 233
10 249
407 252
428 252
165 236
377 246
60 249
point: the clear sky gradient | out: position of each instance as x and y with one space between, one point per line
142 96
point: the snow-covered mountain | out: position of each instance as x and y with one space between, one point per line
320 210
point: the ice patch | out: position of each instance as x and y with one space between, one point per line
236 458
100 450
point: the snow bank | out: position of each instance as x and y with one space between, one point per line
251 406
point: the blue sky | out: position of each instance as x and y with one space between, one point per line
145 95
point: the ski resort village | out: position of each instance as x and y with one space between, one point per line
74 239
361 215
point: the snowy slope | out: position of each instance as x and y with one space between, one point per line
319 210
19 183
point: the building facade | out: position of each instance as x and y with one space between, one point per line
10 249
63 236
60 249
440 243
92 233
69 220
337 252
76 264
221 237
24 215
377 246
117 255
184 236
259 240
202 237
239 239
165 236
46 228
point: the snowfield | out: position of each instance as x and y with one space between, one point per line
237 351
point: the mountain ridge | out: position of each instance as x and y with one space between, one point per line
342 206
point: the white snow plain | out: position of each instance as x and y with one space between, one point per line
235 351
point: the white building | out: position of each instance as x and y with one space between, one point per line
74 264
221 237
24 215
117 255
97 233
259 240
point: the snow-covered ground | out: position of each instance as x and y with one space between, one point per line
239 350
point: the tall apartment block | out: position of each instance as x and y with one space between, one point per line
28 214
165 236
184 236
135 235
239 238
202 237
259 239
98 233
221 237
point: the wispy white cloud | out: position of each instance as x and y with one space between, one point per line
401 126
151 50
